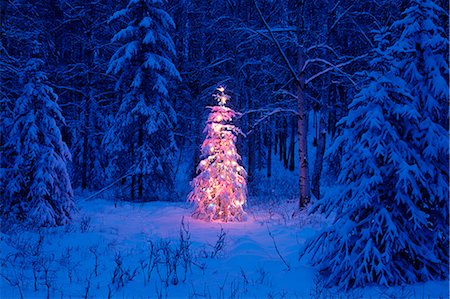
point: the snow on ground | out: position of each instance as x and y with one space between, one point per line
107 253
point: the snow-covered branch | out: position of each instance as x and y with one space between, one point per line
309 61
280 50
269 113
323 46
335 67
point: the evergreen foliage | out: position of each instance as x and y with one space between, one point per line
141 140
391 224
38 190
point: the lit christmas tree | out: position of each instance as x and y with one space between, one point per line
220 189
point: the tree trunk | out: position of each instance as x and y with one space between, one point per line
84 170
133 175
269 153
280 138
251 157
260 150
285 151
140 176
317 173
302 131
133 186
277 135
86 124
251 147
196 152
332 117
292 147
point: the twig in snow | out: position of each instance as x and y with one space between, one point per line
219 244
278 251
107 187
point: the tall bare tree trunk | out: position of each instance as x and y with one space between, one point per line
302 131
84 169
301 102
260 150
133 176
318 163
269 152
250 146
292 146
280 139
140 177
276 140
87 107
283 142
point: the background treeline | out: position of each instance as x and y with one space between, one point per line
216 42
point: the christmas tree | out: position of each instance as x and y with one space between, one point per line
220 189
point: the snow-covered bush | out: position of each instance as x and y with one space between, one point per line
391 224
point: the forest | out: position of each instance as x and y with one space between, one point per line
224 149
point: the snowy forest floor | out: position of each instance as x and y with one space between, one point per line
156 250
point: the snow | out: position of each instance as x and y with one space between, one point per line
245 265
387 197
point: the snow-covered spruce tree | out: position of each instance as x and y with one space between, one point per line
38 189
6 154
220 189
422 52
141 142
391 224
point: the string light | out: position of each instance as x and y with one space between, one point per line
220 189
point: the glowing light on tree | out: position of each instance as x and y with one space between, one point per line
220 189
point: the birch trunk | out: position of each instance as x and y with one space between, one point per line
302 131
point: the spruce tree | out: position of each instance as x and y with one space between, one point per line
38 191
391 224
220 189
141 141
